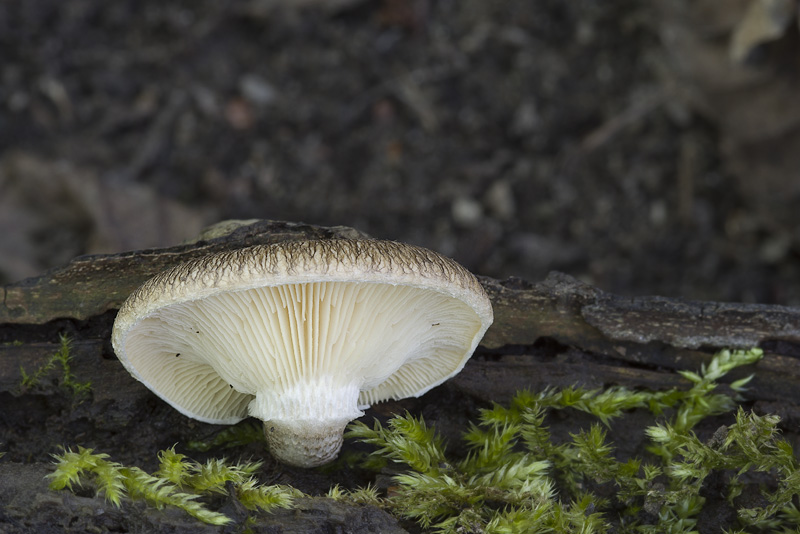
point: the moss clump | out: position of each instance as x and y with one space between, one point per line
366 495
235 436
178 482
515 479
62 358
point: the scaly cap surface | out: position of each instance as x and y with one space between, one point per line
301 333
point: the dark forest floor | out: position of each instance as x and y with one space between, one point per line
518 137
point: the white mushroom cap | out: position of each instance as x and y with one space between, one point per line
302 335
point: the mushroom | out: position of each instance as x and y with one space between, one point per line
303 335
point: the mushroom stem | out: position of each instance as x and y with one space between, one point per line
304 422
304 443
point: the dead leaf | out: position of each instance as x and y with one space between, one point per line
66 210
764 21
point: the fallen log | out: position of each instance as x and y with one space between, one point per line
553 333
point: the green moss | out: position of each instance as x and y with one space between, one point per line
178 482
242 434
61 359
515 479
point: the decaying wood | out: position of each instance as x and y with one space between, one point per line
557 332
637 342
597 338
91 285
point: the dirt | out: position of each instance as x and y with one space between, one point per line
518 137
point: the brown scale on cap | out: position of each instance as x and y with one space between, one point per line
302 335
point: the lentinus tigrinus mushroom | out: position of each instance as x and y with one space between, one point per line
303 335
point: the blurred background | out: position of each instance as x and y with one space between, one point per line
644 146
